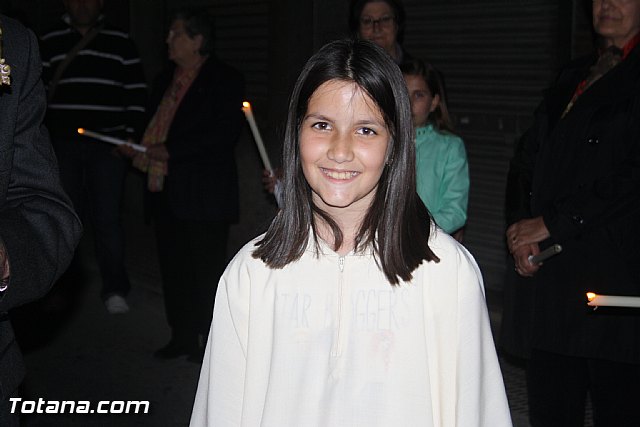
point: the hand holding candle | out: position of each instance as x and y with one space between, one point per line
246 108
277 192
111 140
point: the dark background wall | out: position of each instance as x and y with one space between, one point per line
497 56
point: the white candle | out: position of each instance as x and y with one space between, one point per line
246 107
111 140
596 300
547 253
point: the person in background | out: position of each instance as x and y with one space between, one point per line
192 182
95 80
352 309
574 180
382 22
442 171
38 227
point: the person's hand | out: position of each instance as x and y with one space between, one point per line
126 151
157 152
526 232
5 271
521 258
270 178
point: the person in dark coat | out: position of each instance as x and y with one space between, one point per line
192 182
575 181
38 228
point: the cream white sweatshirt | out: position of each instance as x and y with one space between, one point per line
327 341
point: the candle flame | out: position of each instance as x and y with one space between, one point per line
80 131
246 104
591 296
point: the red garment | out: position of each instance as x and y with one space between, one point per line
584 84
628 47
156 132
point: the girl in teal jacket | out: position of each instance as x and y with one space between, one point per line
441 159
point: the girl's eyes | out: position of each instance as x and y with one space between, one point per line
366 131
321 126
324 126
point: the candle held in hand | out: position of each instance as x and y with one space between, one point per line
547 253
246 108
110 139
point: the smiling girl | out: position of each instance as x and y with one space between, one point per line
352 309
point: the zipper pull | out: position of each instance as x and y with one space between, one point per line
341 263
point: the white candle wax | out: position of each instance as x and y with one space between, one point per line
547 253
111 140
612 300
246 107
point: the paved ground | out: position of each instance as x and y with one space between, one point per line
95 356
90 355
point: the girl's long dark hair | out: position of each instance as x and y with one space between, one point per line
397 225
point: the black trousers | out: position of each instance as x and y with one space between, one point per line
192 256
558 386
93 177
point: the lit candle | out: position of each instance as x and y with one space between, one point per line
111 140
246 107
596 300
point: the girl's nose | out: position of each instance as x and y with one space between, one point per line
341 149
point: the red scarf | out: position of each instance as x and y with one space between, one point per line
158 127
608 59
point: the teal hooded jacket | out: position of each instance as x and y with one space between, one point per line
442 175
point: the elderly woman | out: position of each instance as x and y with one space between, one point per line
575 181
192 188
382 22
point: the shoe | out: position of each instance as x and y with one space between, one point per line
172 350
116 304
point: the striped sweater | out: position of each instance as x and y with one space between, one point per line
103 89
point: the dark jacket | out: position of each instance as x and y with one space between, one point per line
37 225
580 173
202 181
